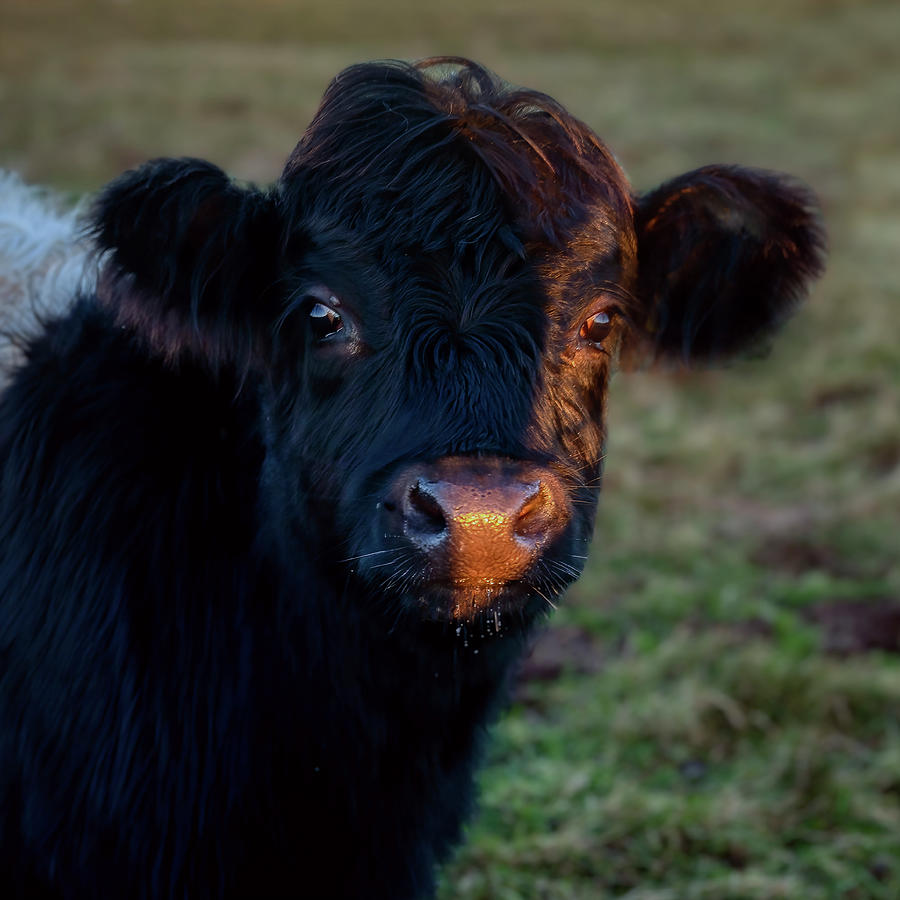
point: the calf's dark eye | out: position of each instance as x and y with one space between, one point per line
324 321
597 328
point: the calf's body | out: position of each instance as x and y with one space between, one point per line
282 498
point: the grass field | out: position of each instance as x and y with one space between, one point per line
715 711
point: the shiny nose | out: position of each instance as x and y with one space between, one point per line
480 521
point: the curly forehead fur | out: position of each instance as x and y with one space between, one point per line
394 142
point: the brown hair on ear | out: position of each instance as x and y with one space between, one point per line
725 253
191 258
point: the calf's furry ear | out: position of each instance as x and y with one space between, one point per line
724 255
192 258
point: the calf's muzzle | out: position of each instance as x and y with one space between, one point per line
477 521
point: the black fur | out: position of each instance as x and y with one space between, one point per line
172 227
218 677
724 255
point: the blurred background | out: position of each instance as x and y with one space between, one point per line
715 712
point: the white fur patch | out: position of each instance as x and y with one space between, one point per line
45 262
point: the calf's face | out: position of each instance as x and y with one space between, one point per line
449 437
431 300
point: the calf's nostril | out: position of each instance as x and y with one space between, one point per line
424 514
536 515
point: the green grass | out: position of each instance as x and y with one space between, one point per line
698 740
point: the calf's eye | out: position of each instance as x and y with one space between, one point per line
324 321
597 328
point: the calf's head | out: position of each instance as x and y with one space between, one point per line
430 302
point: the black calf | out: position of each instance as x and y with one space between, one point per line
280 502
